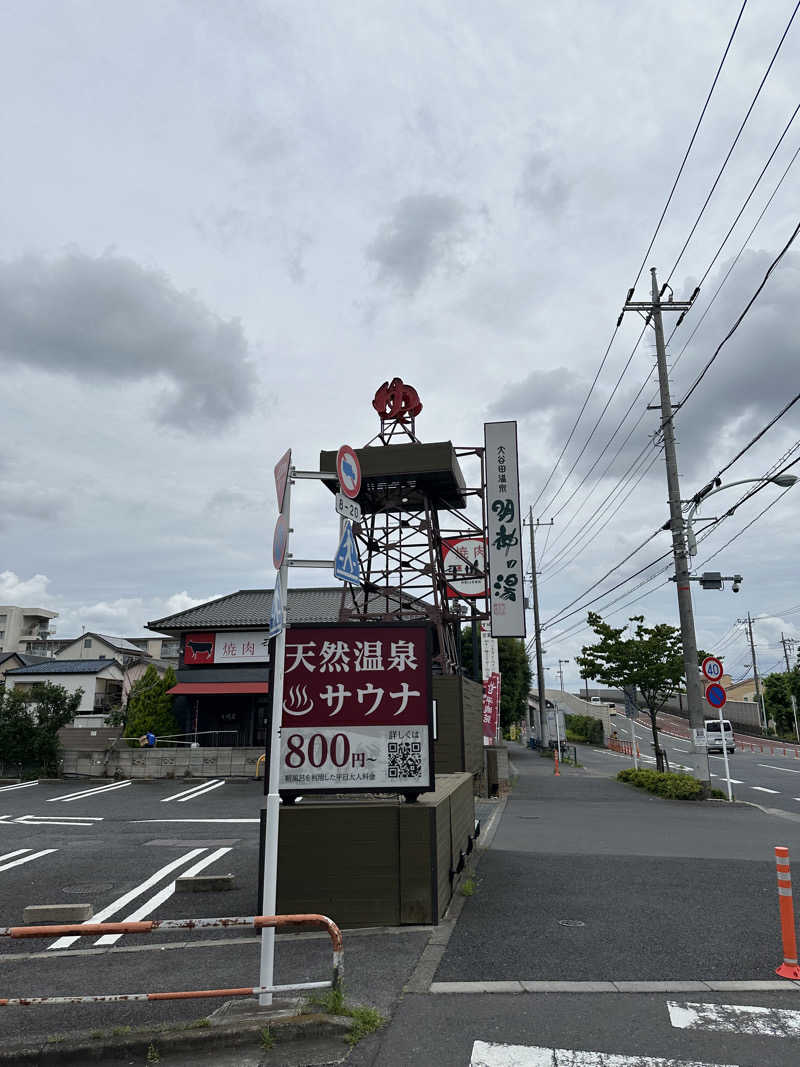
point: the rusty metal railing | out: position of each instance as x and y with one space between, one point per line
149 926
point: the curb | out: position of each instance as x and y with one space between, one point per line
428 963
83 1049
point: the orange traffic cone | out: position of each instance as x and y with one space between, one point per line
556 771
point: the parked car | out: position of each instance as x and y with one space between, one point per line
714 735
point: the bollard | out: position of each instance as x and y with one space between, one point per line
556 771
789 968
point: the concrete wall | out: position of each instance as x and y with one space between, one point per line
178 762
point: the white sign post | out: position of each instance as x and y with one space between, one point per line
269 901
504 523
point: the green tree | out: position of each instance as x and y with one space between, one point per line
778 691
649 658
515 674
29 724
150 705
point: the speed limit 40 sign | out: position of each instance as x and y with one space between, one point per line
712 668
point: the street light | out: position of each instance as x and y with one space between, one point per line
784 481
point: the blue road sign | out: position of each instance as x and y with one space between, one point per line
716 695
277 615
345 564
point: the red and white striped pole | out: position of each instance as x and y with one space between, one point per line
789 968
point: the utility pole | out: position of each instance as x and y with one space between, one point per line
561 672
786 641
652 310
537 629
756 678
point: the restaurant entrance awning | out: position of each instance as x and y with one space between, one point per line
198 688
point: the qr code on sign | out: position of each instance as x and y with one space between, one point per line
405 759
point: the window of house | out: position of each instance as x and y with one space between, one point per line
87 642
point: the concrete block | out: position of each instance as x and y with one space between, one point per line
204 883
35 914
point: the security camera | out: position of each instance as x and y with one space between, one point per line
736 587
737 583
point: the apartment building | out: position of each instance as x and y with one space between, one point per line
23 628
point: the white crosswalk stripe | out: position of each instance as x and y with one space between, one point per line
763 789
490 1054
19 785
735 1019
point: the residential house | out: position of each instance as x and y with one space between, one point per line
91 645
9 661
100 679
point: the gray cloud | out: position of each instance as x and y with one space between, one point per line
30 501
418 238
541 392
109 319
540 186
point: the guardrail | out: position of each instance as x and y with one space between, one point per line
149 926
616 745
768 746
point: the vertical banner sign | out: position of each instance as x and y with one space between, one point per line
491 708
490 658
505 530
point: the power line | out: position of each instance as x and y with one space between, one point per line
691 142
741 317
790 404
647 253
734 143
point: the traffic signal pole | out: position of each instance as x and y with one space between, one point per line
694 696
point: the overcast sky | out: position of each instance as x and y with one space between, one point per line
224 224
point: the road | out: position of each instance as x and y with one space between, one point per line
609 928
768 778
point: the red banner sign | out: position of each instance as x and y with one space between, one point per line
491 706
356 709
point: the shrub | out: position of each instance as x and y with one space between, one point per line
664 784
584 728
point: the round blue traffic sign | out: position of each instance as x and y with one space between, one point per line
716 695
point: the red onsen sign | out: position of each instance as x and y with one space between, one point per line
491 706
357 709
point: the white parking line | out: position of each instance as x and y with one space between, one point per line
20 785
735 1019
775 767
90 792
138 821
763 789
27 859
132 894
162 895
195 791
491 1054
11 855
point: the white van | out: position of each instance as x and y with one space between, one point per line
714 735
595 700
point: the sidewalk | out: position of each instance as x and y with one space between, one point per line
589 879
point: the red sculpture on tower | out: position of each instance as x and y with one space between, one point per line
398 401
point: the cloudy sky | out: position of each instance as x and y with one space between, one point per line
226 222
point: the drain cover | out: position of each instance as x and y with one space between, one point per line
570 922
87 889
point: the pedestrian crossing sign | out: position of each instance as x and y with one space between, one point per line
346 566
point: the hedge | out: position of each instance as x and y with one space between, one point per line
664 784
584 728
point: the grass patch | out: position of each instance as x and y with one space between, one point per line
665 784
365 1020
198 1024
118 1031
468 887
153 1055
718 794
267 1039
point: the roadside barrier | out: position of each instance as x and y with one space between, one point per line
624 747
149 926
261 759
556 771
789 968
